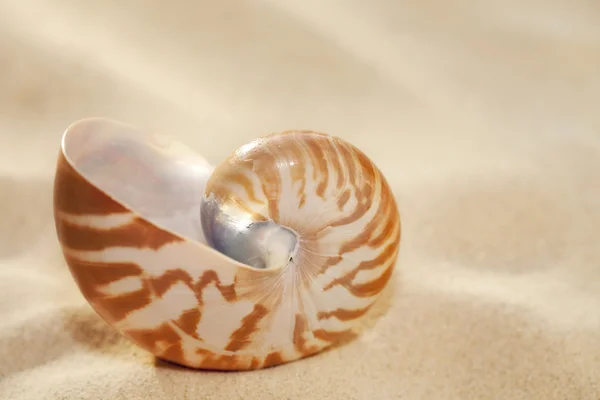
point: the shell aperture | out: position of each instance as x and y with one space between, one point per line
273 255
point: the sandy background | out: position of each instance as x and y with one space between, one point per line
482 114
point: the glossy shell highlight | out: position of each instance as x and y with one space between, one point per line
127 208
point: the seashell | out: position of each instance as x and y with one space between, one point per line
273 255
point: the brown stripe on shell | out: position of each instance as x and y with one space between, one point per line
139 233
358 212
334 260
163 283
91 275
211 276
241 179
255 364
297 171
232 362
242 337
330 336
221 362
73 194
113 308
367 190
319 163
371 288
271 180
348 161
343 199
334 157
188 321
387 254
121 306
272 359
391 223
311 156
163 341
368 171
174 352
329 262
300 327
367 176
344 314
94 273
236 201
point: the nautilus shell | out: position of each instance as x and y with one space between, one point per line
271 256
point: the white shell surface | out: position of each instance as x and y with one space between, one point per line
128 218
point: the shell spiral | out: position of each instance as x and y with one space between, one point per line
272 256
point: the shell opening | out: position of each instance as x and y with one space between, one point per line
162 180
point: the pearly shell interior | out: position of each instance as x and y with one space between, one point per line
161 179
132 210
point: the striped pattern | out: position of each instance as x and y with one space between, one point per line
189 304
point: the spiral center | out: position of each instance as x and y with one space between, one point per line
261 245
